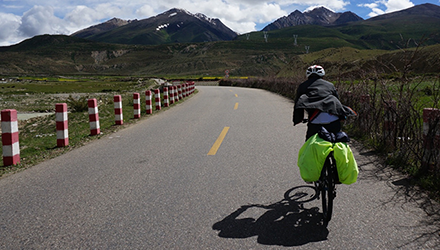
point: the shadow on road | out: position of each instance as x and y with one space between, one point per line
284 223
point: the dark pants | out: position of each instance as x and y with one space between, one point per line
333 127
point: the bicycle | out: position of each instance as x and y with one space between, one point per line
326 187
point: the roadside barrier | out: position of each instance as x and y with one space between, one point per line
93 117
148 103
119 117
9 122
11 147
137 105
185 90
171 94
166 101
179 90
61 120
157 99
431 138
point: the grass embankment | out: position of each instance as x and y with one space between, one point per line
37 136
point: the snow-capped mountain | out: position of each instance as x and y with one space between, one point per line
172 26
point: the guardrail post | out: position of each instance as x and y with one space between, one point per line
431 139
179 90
148 102
157 99
119 117
11 147
184 90
61 120
93 117
171 94
166 101
137 105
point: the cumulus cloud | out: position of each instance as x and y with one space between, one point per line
9 24
377 8
41 20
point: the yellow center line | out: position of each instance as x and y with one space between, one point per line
218 142
236 106
236 95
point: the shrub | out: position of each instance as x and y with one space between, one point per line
77 105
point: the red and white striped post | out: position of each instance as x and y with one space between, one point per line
186 89
191 87
11 147
171 94
431 139
62 124
119 117
166 101
176 94
157 99
179 90
137 105
93 117
148 102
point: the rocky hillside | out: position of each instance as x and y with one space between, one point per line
319 16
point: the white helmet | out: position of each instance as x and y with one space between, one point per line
315 69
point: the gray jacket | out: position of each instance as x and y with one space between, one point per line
316 93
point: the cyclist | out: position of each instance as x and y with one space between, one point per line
320 100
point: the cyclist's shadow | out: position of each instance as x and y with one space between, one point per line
285 223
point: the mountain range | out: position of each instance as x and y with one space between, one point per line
181 26
318 16
172 26
176 43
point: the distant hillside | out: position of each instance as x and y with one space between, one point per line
173 26
318 16
427 10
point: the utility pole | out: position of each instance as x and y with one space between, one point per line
265 35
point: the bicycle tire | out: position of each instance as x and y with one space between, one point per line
327 190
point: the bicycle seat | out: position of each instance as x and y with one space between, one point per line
333 138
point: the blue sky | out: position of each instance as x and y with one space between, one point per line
22 19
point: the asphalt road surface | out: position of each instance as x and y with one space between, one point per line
209 173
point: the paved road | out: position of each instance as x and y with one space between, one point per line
154 186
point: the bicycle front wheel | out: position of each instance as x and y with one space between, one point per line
327 192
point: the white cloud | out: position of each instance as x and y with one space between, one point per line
9 24
145 11
41 20
396 5
377 8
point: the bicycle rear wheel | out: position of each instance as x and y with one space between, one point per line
327 191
